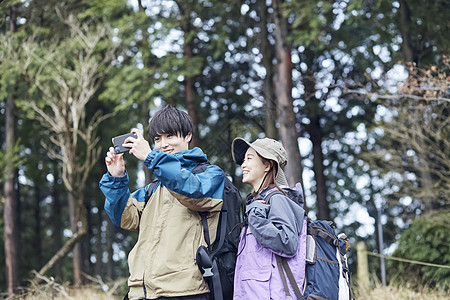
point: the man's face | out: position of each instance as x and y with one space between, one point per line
172 143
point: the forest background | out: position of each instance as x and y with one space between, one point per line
356 90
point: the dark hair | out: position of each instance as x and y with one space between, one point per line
170 120
269 179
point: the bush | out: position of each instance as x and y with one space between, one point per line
427 240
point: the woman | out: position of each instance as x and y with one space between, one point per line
275 231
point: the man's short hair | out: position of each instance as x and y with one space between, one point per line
170 120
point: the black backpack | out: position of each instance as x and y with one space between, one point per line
217 261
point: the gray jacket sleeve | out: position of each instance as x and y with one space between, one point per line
276 226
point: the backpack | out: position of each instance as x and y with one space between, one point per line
327 271
327 274
218 261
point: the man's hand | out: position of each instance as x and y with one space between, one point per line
114 163
138 147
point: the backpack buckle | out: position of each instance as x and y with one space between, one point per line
204 262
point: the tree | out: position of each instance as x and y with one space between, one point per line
192 103
8 163
412 31
9 178
414 153
67 76
325 51
267 51
283 87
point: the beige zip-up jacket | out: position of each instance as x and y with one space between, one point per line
162 263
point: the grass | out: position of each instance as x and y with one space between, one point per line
86 292
63 292
46 288
393 292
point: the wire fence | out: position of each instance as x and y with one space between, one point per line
407 260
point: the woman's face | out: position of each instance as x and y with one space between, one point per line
253 169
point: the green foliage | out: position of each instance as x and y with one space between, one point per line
107 9
427 240
311 19
9 160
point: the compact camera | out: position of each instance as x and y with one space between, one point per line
119 140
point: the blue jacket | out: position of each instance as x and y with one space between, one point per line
162 263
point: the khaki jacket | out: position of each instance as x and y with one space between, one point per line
162 263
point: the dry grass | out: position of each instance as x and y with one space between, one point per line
393 292
54 291
67 294
46 288
378 293
75 294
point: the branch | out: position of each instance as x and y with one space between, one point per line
50 283
65 249
104 286
393 97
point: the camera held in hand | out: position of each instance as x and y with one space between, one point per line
119 141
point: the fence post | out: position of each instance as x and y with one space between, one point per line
362 268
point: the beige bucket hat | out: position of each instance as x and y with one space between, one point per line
267 148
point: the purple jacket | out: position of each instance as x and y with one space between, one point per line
278 228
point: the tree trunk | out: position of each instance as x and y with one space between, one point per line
285 109
405 20
37 223
192 110
269 88
10 214
189 83
57 222
77 260
315 134
86 250
145 116
109 247
99 245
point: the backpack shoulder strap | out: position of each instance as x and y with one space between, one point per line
282 268
151 188
220 236
316 230
271 193
200 168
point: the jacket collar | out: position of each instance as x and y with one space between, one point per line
291 193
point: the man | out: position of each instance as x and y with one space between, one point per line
162 263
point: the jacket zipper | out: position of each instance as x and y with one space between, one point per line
143 286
